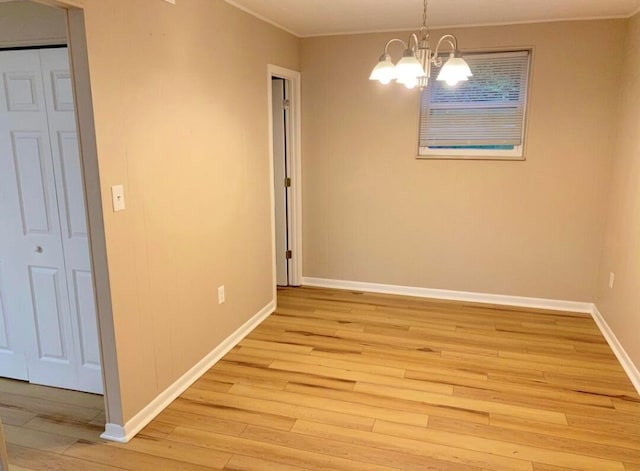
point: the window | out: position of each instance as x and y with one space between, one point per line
483 118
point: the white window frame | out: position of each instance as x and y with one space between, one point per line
517 153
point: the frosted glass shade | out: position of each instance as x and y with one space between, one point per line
408 70
454 70
384 72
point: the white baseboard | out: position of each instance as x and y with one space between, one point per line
618 349
123 434
487 298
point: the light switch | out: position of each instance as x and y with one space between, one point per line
117 194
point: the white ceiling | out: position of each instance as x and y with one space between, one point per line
323 17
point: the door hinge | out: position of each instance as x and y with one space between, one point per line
286 104
287 182
288 254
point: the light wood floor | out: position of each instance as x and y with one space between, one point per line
337 380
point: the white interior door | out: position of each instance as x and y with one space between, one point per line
278 94
47 291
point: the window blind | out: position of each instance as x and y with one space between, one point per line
487 110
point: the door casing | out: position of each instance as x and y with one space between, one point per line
295 167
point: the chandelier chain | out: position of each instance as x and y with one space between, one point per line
424 30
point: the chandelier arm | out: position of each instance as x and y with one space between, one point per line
416 42
452 41
391 41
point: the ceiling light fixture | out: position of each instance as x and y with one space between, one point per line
414 68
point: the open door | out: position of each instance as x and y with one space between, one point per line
281 177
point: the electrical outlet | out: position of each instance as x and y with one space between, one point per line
611 278
220 294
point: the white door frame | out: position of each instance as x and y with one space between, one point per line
295 165
79 68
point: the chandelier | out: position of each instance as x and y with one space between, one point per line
414 68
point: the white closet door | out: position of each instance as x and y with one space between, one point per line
45 275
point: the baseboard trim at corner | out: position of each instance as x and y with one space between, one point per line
618 349
122 434
450 295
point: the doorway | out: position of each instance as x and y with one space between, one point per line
48 319
284 124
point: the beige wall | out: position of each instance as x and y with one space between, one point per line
374 213
26 23
180 105
621 255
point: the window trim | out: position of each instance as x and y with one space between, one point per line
518 153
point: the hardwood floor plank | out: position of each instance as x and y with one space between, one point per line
355 376
38 460
255 413
177 451
16 415
130 460
354 451
275 376
65 428
46 407
157 429
280 346
339 406
549 467
201 422
503 362
36 439
631 427
629 405
312 360
273 410
500 447
552 405
273 452
65 396
247 463
306 339
538 440
436 455
477 406
584 435
412 406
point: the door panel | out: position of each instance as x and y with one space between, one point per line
13 362
22 91
71 177
89 351
62 90
46 298
30 170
